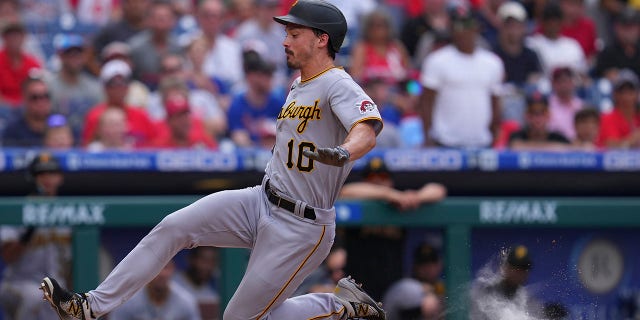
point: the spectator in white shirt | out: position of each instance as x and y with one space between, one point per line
459 104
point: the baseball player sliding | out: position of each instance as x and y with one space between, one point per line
289 220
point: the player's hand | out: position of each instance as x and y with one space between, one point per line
336 156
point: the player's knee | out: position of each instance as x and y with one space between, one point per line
174 226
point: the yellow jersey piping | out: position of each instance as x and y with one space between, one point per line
294 274
319 74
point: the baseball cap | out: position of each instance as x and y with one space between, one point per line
626 78
114 68
461 17
43 163
176 104
426 253
512 10
518 257
115 49
67 41
56 120
375 166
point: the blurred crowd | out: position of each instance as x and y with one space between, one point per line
132 74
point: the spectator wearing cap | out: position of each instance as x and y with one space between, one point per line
14 63
378 54
521 64
262 34
73 91
620 128
578 26
420 296
58 135
552 47
138 94
461 109
176 76
45 171
535 135
257 104
148 46
624 50
223 57
28 127
563 102
181 129
489 295
115 76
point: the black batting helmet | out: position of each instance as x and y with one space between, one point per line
320 15
43 163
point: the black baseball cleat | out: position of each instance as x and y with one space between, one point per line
67 304
358 304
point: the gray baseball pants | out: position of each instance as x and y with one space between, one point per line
285 249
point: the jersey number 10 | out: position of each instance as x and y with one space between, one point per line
299 163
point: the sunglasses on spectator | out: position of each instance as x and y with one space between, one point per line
38 96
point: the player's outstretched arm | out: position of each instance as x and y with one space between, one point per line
360 140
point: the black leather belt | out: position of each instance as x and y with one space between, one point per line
283 203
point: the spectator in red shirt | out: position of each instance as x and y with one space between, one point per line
578 26
620 128
181 130
15 64
115 76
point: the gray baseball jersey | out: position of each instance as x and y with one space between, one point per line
285 246
318 113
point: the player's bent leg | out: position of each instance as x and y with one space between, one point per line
220 219
287 249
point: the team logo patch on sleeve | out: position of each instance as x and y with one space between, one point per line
366 106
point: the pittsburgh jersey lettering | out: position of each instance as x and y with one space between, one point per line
304 113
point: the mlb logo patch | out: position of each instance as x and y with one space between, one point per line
366 106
